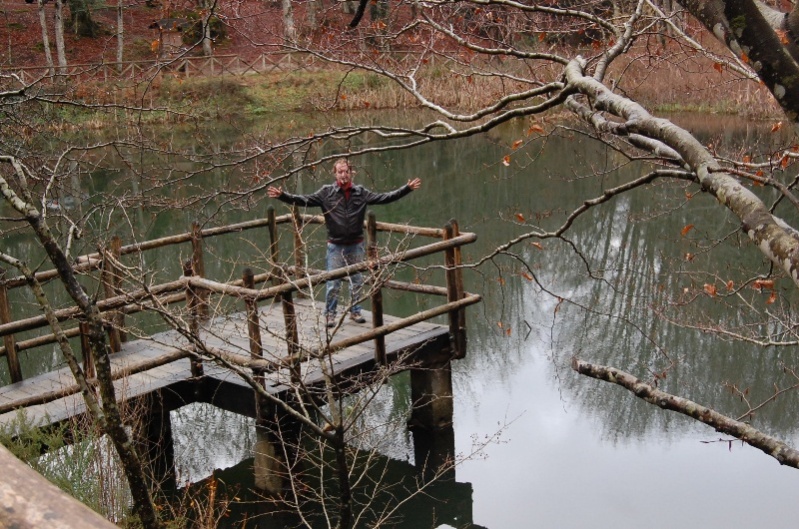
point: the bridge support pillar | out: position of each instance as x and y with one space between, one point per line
277 438
153 436
431 421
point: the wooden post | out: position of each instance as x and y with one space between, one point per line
14 368
289 315
198 265
88 359
454 277
256 345
194 318
377 291
154 440
277 442
112 280
299 246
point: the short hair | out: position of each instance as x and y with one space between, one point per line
342 161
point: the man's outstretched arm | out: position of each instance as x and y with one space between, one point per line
299 200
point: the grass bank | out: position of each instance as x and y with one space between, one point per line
662 86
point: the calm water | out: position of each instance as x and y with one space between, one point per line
569 452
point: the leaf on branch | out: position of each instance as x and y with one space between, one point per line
500 325
535 128
689 256
501 280
759 172
784 162
469 79
772 298
718 67
688 195
537 245
783 35
747 159
760 284
507 331
686 229
343 97
516 144
542 37
730 284
745 58
777 126
520 217
710 290
506 160
527 276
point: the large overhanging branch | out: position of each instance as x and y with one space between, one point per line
775 238
740 430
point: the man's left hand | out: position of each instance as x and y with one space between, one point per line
415 184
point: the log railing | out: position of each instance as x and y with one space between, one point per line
193 289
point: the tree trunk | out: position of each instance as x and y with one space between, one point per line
120 35
345 491
59 36
80 19
289 31
311 14
207 48
48 56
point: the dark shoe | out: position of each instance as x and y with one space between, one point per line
331 320
357 318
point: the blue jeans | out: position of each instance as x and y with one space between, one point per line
340 255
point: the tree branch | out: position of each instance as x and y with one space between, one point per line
746 433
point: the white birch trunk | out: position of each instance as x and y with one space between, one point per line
289 31
120 36
59 36
48 55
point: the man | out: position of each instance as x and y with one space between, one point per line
344 207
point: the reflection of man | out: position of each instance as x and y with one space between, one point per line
344 207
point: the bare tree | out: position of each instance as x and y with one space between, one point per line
17 194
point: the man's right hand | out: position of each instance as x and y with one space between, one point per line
274 192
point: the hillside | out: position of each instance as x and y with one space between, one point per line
250 26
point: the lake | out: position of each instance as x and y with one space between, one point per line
625 286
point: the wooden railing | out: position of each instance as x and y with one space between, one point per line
186 66
193 289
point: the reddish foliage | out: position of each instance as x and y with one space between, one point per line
251 26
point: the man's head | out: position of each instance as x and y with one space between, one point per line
343 172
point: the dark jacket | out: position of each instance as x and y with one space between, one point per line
344 217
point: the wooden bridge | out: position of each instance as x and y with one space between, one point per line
276 336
